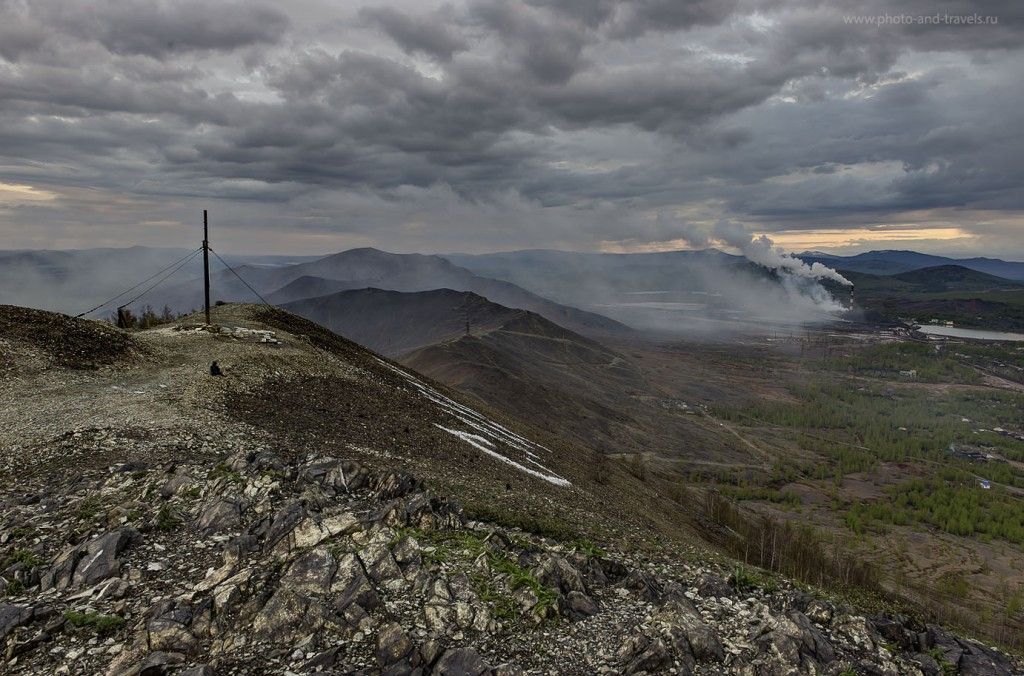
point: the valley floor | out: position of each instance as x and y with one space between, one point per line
905 455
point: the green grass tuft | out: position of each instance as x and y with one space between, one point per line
167 519
223 471
588 548
89 508
24 556
544 525
98 622
14 587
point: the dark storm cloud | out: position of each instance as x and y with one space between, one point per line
515 122
19 33
591 13
943 140
641 16
90 91
547 46
160 28
428 34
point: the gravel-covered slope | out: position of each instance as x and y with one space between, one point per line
318 510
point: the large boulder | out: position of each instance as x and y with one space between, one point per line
12 616
650 658
714 586
168 628
289 615
461 662
396 652
577 605
220 514
90 562
312 572
559 574
793 640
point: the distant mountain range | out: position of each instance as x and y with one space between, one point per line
954 276
371 268
550 270
697 293
74 281
685 288
704 293
894 262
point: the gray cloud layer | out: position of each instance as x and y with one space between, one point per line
505 123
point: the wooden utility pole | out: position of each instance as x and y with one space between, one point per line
206 267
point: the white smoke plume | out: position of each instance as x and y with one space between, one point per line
800 280
762 250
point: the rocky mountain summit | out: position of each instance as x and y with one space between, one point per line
258 565
159 520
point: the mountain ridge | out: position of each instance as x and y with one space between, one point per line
395 322
895 261
361 268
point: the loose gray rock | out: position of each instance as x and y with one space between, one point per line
199 670
91 561
158 663
220 514
13 615
578 605
461 662
653 658
393 644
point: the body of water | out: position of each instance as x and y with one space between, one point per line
975 334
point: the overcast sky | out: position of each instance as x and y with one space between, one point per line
317 125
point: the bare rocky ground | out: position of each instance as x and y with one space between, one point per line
155 519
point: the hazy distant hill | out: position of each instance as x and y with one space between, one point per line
939 279
574 277
393 322
313 287
955 278
694 293
683 292
895 262
363 268
676 291
948 292
75 280
518 361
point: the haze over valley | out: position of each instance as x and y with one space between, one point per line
501 337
